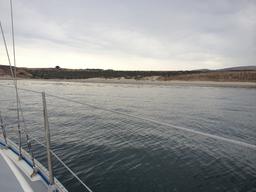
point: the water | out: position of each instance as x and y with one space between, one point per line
111 152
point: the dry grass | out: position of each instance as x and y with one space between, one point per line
52 73
237 76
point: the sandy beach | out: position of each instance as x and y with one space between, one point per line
168 83
152 82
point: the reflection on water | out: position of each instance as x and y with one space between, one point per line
111 152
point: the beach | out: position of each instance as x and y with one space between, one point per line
151 81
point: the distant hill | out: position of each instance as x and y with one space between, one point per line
240 68
21 72
239 74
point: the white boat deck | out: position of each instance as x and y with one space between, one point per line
15 175
8 181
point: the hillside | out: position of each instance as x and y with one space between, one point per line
241 68
243 74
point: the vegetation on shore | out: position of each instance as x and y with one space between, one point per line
239 75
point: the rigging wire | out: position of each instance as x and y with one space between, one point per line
33 137
54 154
20 112
18 103
63 163
13 41
15 72
14 78
145 119
19 108
15 85
6 50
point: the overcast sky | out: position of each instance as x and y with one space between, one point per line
132 34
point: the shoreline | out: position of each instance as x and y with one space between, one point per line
169 83
152 82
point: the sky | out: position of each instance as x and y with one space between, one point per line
132 34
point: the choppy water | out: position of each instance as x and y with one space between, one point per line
114 153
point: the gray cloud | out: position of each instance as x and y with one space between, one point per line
176 34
